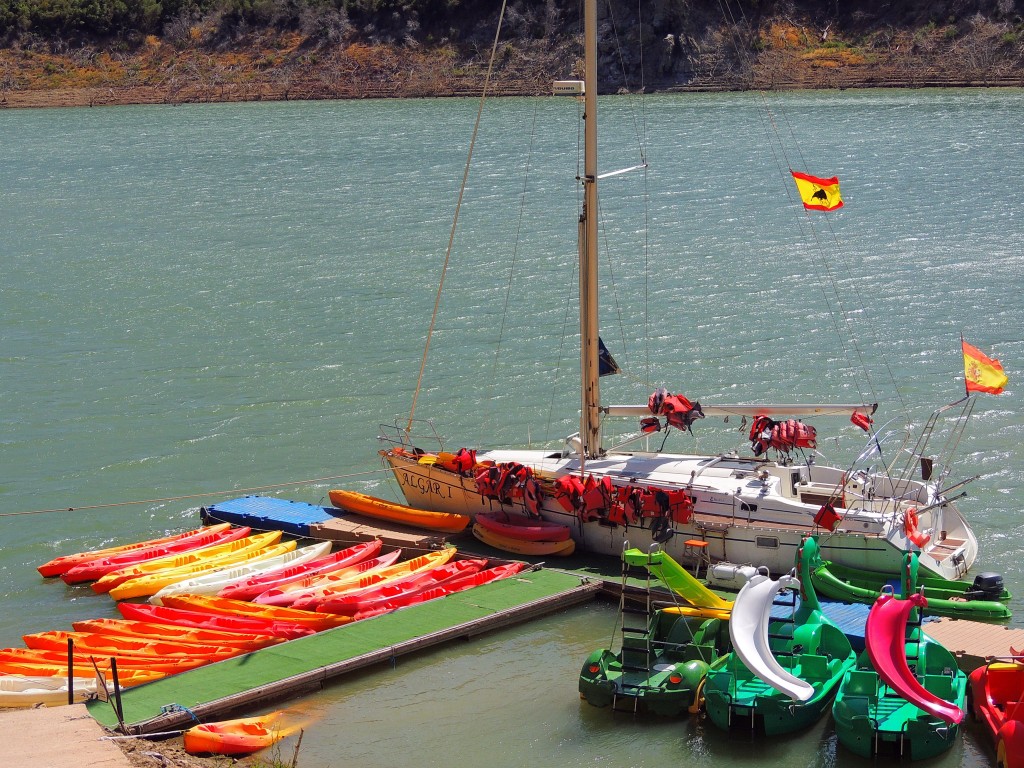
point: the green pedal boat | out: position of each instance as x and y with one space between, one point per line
906 696
783 673
660 672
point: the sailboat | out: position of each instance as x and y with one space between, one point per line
744 509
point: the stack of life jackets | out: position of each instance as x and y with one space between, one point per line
783 436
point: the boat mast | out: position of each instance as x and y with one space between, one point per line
590 425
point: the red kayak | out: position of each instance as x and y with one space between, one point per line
257 585
202 620
94 569
352 603
64 563
457 584
290 593
521 527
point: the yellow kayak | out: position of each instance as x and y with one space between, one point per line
152 583
523 547
249 543
371 506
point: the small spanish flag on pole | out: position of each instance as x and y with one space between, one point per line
981 372
818 194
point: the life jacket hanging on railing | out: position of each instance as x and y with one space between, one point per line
678 411
589 498
502 481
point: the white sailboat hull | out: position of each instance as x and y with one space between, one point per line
747 510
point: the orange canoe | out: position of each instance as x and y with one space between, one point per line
235 737
371 506
144 630
126 678
64 563
51 657
112 645
226 606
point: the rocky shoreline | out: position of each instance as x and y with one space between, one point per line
282 68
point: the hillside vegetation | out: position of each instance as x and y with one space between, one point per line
129 51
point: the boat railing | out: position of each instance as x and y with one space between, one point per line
398 436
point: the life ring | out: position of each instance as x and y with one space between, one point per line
910 528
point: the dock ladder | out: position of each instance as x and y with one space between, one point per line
635 618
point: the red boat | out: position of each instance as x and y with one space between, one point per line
365 599
289 593
94 569
64 563
204 620
257 585
997 700
522 527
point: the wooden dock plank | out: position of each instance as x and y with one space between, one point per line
974 643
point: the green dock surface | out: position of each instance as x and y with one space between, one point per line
215 689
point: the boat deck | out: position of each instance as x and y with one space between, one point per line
271 673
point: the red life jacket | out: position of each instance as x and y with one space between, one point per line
533 495
568 492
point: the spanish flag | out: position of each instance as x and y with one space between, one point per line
981 372
818 194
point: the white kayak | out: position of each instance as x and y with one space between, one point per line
213 582
25 691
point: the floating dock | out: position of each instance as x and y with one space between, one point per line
321 523
281 670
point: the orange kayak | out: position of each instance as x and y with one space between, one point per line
149 663
64 563
112 645
371 506
288 593
235 737
221 622
126 678
223 605
143 630
183 560
383 576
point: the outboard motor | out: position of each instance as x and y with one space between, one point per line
986 586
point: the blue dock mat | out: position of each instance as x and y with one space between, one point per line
268 513
851 618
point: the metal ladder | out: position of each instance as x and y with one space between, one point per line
636 650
